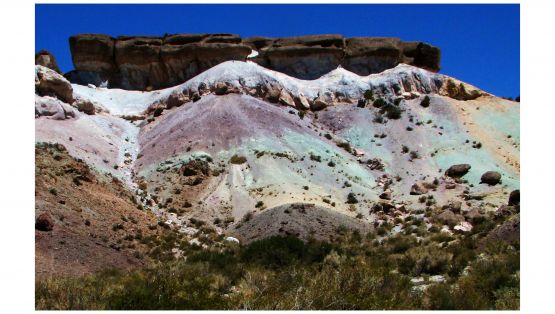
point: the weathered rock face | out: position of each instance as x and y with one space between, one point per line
143 63
309 57
46 59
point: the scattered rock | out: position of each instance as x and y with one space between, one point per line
508 232
46 59
514 198
286 99
50 83
301 102
463 226
85 106
195 167
504 211
321 102
437 279
44 222
220 88
449 218
491 178
358 152
419 188
232 239
386 195
457 171
454 206
52 108
417 281
474 215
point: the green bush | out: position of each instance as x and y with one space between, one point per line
425 102
237 160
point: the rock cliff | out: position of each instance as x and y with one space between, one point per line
144 63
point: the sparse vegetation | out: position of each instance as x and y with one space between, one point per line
237 159
355 272
346 146
351 198
425 102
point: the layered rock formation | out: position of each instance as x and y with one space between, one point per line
144 63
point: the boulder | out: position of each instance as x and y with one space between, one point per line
358 152
44 222
457 171
50 83
46 59
474 215
195 167
321 102
514 198
460 91
232 239
52 108
386 195
454 206
463 226
419 188
509 232
301 102
491 178
220 88
504 211
85 106
437 279
286 99
449 218
177 99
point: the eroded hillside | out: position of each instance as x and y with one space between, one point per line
243 151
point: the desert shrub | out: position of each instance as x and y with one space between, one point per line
354 272
237 160
368 94
378 103
391 111
351 198
425 102
429 260
277 252
316 158
345 145
400 244
247 217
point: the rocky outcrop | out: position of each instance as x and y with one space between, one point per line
309 57
144 63
46 59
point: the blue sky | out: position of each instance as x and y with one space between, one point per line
480 44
